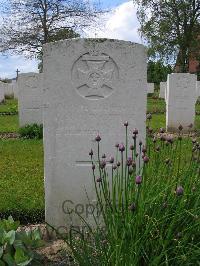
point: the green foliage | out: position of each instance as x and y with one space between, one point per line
32 131
9 96
157 72
153 221
171 29
17 246
10 105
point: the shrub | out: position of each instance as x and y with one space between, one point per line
32 131
9 96
150 213
17 246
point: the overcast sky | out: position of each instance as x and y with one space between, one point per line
121 23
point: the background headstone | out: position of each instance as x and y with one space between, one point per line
30 87
91 86
181 98
150 87
15 89
198 89
2 92
163 90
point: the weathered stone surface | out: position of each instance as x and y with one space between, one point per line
8 88
15 89
150 87
30 87
2 92
163 90
198 89
91 86
181 98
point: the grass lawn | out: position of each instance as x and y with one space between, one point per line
9 123
21 175
159 120
9 106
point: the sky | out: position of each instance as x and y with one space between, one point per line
120 23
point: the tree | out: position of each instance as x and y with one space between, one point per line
171 28
157 71
28 24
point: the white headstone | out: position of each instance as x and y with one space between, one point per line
150 87
2 92
91 86
30 87
181 98
15 89
163 90
198 89
7 87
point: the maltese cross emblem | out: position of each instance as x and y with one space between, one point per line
94 76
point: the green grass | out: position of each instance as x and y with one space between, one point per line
21 175
155 105
9 123
159 120
9 106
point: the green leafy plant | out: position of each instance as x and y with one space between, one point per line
17 246
32 131
149 202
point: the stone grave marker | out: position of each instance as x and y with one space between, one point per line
30 87
2 92
181 98
150 87
163 90
90 86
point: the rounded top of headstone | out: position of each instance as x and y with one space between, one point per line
91 41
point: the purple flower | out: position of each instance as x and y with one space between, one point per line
132 207
146 159
91 153
121 147
194 141
98 138
150 130
190 125
162 130
129 161
111 159
126 123
104 156
140 143
99 179
144 149
149 116
179 191
138 180
135 131
118 164
102 164
131 147
114 167
117 145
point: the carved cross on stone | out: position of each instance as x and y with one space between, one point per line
94 75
